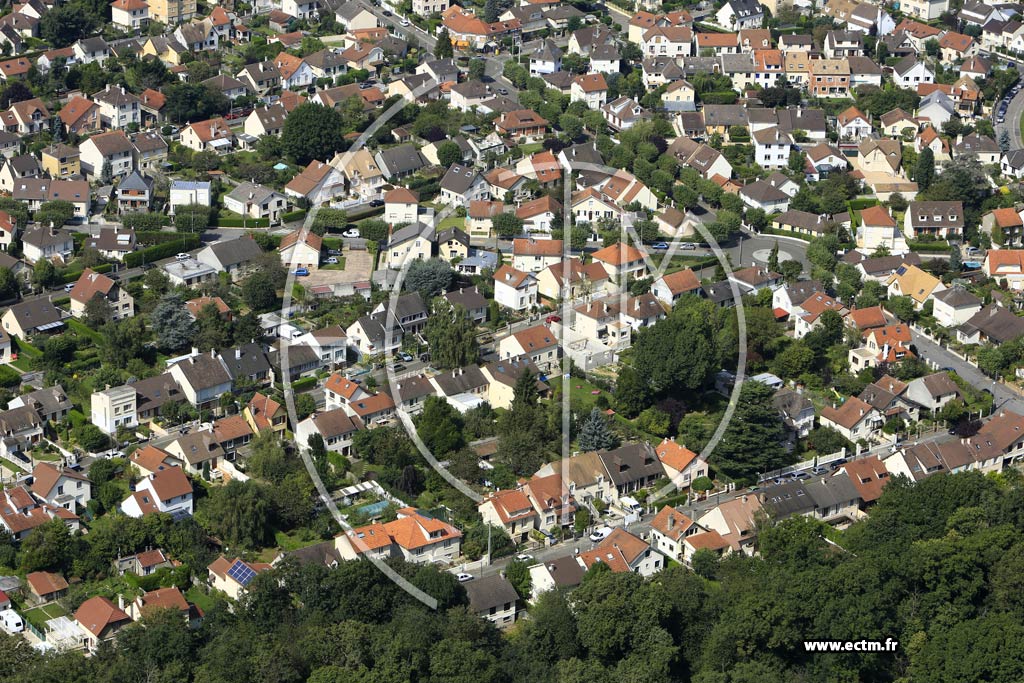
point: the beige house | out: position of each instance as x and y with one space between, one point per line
510 510
301 251
91 285
415 241
538 343
232 577
401 206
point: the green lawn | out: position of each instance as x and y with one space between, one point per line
452 221
581 400
531 148
40 615
197 597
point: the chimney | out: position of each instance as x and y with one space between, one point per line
238 353
213 353
671 522
120 602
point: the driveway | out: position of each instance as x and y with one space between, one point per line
358 268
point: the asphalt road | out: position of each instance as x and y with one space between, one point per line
1012 124
1004 397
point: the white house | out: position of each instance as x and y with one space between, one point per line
168 491
515 289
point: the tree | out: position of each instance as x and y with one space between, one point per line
443 47
451 336
791 269
305 405
312 132
752 443
902 307
522 429
240 514
44 274
172 324
773 258
507 225
705 563
795 360
98 312
429 277
632 394
518 574
66 25
449 153
924 170
491 11
106 173
186 102
595 434
477 70
440 427
49 547
259 291
667 365
10 285
655 421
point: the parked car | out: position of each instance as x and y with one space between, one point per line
659 246
405 356
688 246
376 202
386 13
502 91
405 22
302 272
424 357
553 319
182 257
351 232
334 252
464 577
523 557
331 260
398 367
68 287
600 534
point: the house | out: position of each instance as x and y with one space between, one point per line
955 47
762 194
230 256
266 120
982 147
60 161
954 306
540 216
134 193
670 288
571 279
802 223
534 255
31 317
943 220
336 427
624 552
878 229
537 343
886 344
909 72
167 491
992 324
740 14
854 419
510 510
232 577
795 409
45 587
853 124
114 408
462 185
413 536
16 169
211 135
118 108
1012 163
262 412
669 530
807 315
681 465
198 450
771 147
932 392
400 206
100 620
361 172
112 149
843 44
523 124
896 122
61 486
1005 226
399 162
621 261
515 289
91 285
260 77
247 365
754 279
301 249
149 460
188 192
562 573
202 378
129 15
153 393
253 200
493 598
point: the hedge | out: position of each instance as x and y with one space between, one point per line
24 348
861 203
72 276
144 221
84 330
61 302
242 222
9 377
304 384
293 216
929 247
148 238
162 251
719 97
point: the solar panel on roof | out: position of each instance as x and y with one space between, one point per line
901 270
242 573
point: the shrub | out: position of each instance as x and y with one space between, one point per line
144 221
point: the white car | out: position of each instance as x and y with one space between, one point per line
351 232
182 257
524 557
463 577
331 260
600 534
405 22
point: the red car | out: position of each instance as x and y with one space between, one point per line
553 319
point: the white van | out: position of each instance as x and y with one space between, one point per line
11 621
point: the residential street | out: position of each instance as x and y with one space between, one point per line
1004 396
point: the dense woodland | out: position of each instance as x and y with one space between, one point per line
937 566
